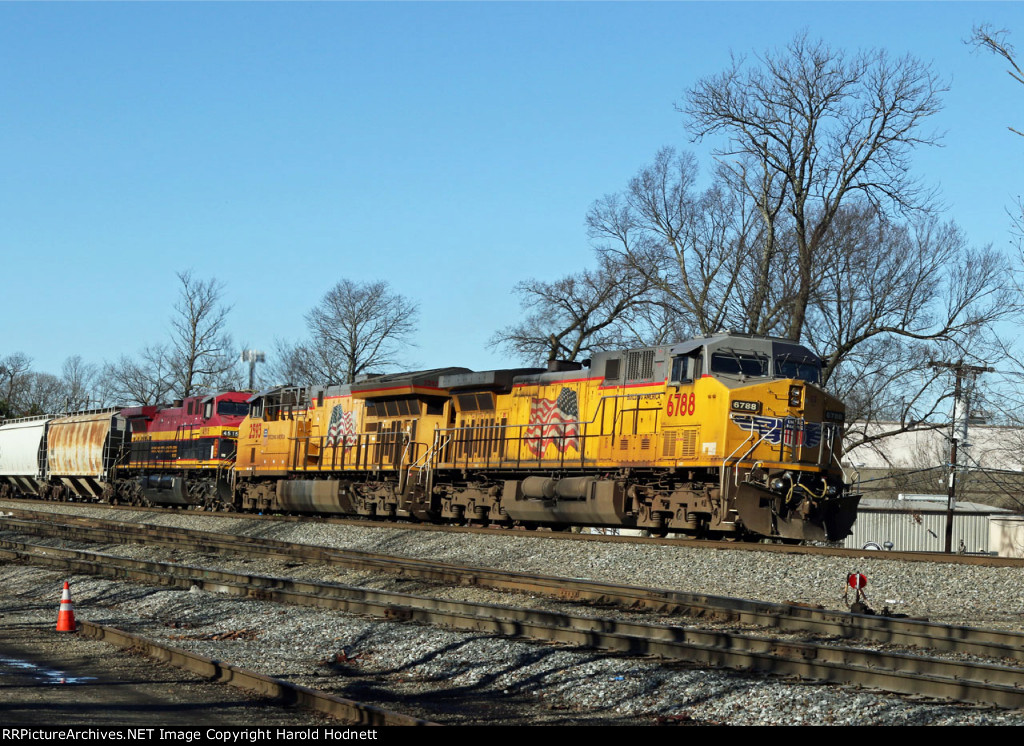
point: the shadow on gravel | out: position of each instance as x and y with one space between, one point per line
502 691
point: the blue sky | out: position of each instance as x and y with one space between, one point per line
451 149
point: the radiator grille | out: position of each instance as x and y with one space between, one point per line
689 440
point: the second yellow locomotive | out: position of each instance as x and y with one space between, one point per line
729 435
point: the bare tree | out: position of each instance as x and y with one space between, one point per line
655 321
918 280
356 328
78 381
810 128
696 250
814 228
14 371
305 364
15 381
986 38
989 39
24 392
148 380
577 314
44 395
201 347
199 358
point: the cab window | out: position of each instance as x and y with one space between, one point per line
679 368
687 368
739 364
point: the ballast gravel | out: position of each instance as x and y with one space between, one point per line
459 678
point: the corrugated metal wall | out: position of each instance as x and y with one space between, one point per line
918 531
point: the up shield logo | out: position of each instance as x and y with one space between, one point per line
787 430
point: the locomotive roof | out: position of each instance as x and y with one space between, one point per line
387 384
396 382
777 345
489 379
655 366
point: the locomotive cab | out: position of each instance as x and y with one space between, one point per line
780 443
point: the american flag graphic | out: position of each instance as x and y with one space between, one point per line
786 430
554 421
341 425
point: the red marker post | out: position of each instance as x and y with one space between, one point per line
858 581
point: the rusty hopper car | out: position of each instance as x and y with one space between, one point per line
83 451
728 435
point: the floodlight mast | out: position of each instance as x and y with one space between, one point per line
252 357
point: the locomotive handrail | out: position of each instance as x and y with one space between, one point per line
426 467
725 460
834 429
591 421
583 436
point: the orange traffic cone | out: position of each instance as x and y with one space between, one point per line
66 617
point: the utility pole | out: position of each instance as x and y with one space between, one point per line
959 433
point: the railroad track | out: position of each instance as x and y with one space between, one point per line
15 507
987 682
790 618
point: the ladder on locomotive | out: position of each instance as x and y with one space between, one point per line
424 466
182 436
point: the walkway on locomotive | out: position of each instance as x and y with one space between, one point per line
379 423
698 404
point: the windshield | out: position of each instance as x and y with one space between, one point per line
805 370
233 408
739 363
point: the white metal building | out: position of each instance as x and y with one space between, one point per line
917 523
987 447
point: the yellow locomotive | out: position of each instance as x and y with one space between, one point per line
729 435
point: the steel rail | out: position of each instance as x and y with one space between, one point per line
981 642
896 672
287 693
